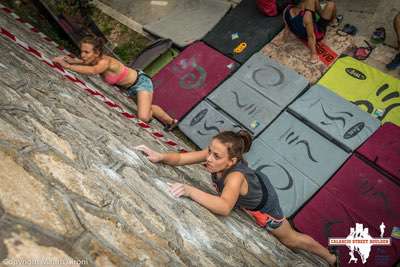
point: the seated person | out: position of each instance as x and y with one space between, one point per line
309 22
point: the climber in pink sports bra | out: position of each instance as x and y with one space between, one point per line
113 72
116 78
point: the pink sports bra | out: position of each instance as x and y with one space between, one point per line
116 78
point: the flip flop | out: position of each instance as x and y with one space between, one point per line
394 63
347 29
339 19
169 128
379 35
363 52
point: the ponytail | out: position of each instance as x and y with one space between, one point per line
247 140
237 143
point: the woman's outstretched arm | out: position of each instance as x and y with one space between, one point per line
73 60
174 158
99 68
221 205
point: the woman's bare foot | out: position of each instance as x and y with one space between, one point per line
171 126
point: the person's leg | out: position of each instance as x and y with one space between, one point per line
396 25
295 240
162 116
310 5
144 100
329 11
396 60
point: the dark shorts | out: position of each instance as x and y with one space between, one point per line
322 25
265 220
296 24
142 83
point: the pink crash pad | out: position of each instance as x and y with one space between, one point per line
383 148
189 78
356 194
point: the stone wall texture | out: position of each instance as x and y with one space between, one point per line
73 187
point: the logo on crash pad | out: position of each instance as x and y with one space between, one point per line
239 49
354 130
356 74
199 116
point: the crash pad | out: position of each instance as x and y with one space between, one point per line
294 54
357 194
370 89
204 122
335 117
189 78
383 149
292 186
243 31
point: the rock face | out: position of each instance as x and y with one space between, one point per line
72 189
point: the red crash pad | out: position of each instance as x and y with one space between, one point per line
189 78
356 194
383 148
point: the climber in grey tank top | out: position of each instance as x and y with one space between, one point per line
261 201
238 186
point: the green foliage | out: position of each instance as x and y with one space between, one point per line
128 51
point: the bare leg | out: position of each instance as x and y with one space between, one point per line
396 24
161 115
329 11
295 240
396 60
311 5
144 100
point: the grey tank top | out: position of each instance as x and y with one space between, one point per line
256 194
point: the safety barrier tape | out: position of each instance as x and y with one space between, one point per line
34 29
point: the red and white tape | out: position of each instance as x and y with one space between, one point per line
34 29
89 89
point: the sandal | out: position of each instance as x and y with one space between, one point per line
379 35
170 127
394 63
363 52
347 29
339 19
337 22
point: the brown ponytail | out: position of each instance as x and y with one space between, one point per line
247 140
97 42
237 143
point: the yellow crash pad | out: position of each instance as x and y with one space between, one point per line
370 89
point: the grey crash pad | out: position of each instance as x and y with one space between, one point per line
335 117
276 82
205 121
308 151
244 104
189 22
293 187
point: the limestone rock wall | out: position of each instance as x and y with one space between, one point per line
72 187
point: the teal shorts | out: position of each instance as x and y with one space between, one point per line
142 83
